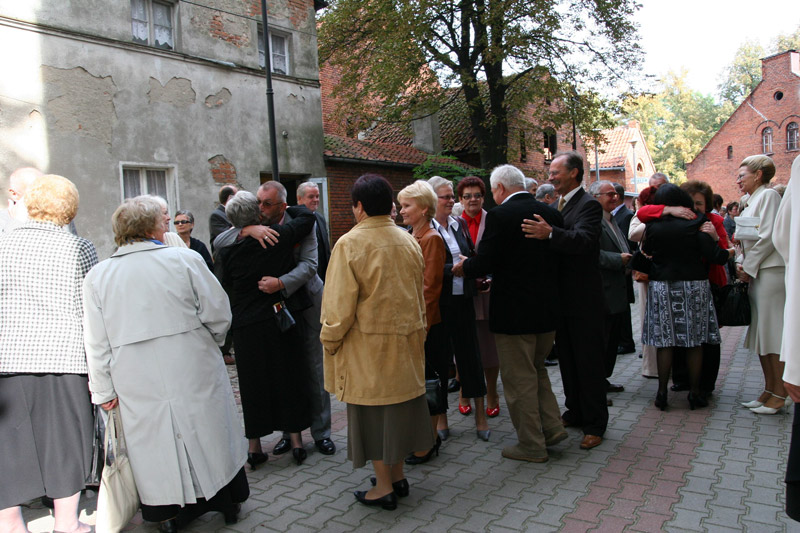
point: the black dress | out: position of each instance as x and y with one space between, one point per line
273 377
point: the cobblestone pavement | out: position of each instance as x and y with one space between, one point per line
714 469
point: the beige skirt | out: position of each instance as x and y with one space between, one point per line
388 432
767 299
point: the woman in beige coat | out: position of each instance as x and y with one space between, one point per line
153 319
373 334
762 266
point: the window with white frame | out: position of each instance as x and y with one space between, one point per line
766 141
279 48
138 180
792 137
151 23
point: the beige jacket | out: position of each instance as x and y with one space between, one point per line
763 203
373 316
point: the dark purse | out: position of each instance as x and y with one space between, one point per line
98 454
733 304
436 396
283 317
640 262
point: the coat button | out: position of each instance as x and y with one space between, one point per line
178 435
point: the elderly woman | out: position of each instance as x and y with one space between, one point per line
373 334
184 224
153 318
273 380
762 266
458 309
471 193
679 309
46 420
418 204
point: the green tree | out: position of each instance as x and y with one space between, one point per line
676 122
401 60
790 41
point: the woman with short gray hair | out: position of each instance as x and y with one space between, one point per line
184 224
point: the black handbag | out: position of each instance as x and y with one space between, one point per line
283 317
640 262
436 396
98 454
733 304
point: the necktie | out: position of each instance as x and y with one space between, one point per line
561 203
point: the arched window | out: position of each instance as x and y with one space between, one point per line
766 141
730 152
550 144
792 140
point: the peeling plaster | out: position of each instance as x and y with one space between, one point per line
80 102
219 99
177 92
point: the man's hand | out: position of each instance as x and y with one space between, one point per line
261 234
793 390
536 229
709 228
742 275
679 212
626 258
458 268
270 285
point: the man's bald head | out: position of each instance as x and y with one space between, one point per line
658 179
20 180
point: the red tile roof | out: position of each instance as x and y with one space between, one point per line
355 149
616 149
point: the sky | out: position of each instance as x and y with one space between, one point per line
703 35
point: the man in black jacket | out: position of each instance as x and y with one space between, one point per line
579 333
523 330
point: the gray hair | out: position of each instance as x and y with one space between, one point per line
242 209
303 188
437 182
594 188
508 176
530 182
135 219
160 201
185 212
545 189
278 186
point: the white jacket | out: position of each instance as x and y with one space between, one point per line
787 225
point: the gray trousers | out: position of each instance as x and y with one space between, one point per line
312 351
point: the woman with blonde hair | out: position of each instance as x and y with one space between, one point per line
418 206
46 421
762 266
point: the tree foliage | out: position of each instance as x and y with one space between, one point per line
676 122
446 167
404 59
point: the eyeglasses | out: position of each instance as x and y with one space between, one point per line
469 196
181 222
447 197
609 194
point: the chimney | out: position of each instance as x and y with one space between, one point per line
427 136
633 124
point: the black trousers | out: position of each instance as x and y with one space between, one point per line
458 318
614 324
793 472
437 359
626 333
579 342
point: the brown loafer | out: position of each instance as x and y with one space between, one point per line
555 439
590 441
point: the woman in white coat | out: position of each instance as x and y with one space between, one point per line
762 266
153 319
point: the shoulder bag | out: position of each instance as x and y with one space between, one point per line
118 499
747 228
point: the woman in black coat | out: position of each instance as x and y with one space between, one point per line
273 380
679 308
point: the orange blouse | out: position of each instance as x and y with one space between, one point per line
434 255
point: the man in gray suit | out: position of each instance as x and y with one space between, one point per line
308 195
614 258
272 202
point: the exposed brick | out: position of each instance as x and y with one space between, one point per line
223 171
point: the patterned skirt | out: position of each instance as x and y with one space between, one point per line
679 313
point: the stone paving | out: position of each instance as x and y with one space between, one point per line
714 469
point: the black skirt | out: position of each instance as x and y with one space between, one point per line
46 432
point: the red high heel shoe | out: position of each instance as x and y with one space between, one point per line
492 412
465 409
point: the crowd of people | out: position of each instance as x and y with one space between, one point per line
383 321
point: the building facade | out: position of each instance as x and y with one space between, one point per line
622 157
127 97
766 122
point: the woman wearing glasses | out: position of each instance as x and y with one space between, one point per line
184 224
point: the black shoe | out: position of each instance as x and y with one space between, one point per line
232 514
454 385
299 455
697 401
256 458
613 387
661 400
551 362
283 446
400 487
677 387
168 526
416 460
625 348
388 502
325 446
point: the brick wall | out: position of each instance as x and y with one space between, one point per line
341 177
743 130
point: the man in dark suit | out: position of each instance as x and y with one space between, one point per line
523 272
623 216
218 221
614 258
308 195
580 328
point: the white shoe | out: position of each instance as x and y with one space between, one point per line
764 410
755 403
